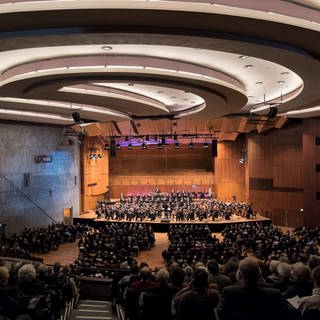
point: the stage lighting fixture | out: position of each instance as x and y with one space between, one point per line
175 137
99 156
106 146
155 137
130 147
205 145
147 138
159 146
191 145
176 145
126 138
143 146
118 146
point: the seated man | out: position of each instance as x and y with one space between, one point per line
197 301
250 301
312 302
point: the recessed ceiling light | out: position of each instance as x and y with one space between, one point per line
243 57
192 102
130 84
250 96
284 72
160 91
259 82
106 48
281 81
186 99
248 66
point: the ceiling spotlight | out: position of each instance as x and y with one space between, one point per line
118 146
259 82
130 146
248 66
160 91
159 146
106 146
106 48
281 81
131 84
176 145
143 146
243 57
285 72
205 145
191 145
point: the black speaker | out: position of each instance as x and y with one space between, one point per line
76 117
214 148
113 148
273 112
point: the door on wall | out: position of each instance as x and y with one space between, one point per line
2 233
68 215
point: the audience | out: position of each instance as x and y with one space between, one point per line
249 300
312 302
197 301
254 267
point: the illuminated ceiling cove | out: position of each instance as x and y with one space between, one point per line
124 61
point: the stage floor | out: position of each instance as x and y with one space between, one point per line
162 225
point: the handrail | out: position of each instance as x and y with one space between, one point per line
27 197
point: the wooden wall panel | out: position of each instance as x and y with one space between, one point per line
95 177
276 171
148 183
311 157
153 160
288 175
229 173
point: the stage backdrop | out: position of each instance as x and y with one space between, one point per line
142 171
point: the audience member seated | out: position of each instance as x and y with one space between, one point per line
312 302
155 302
29 285
301 282
250 301
132 294
198 301
10 306
216 277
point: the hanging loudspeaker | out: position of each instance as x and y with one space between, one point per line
113 148
214 148
76 117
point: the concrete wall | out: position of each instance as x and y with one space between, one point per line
34 194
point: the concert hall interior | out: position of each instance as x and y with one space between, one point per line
156 118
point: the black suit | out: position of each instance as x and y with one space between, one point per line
254 303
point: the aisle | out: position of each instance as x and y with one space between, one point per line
66 254
154 256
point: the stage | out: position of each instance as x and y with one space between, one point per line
162 225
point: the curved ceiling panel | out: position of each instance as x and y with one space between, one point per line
124 60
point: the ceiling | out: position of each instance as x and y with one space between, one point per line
159 67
